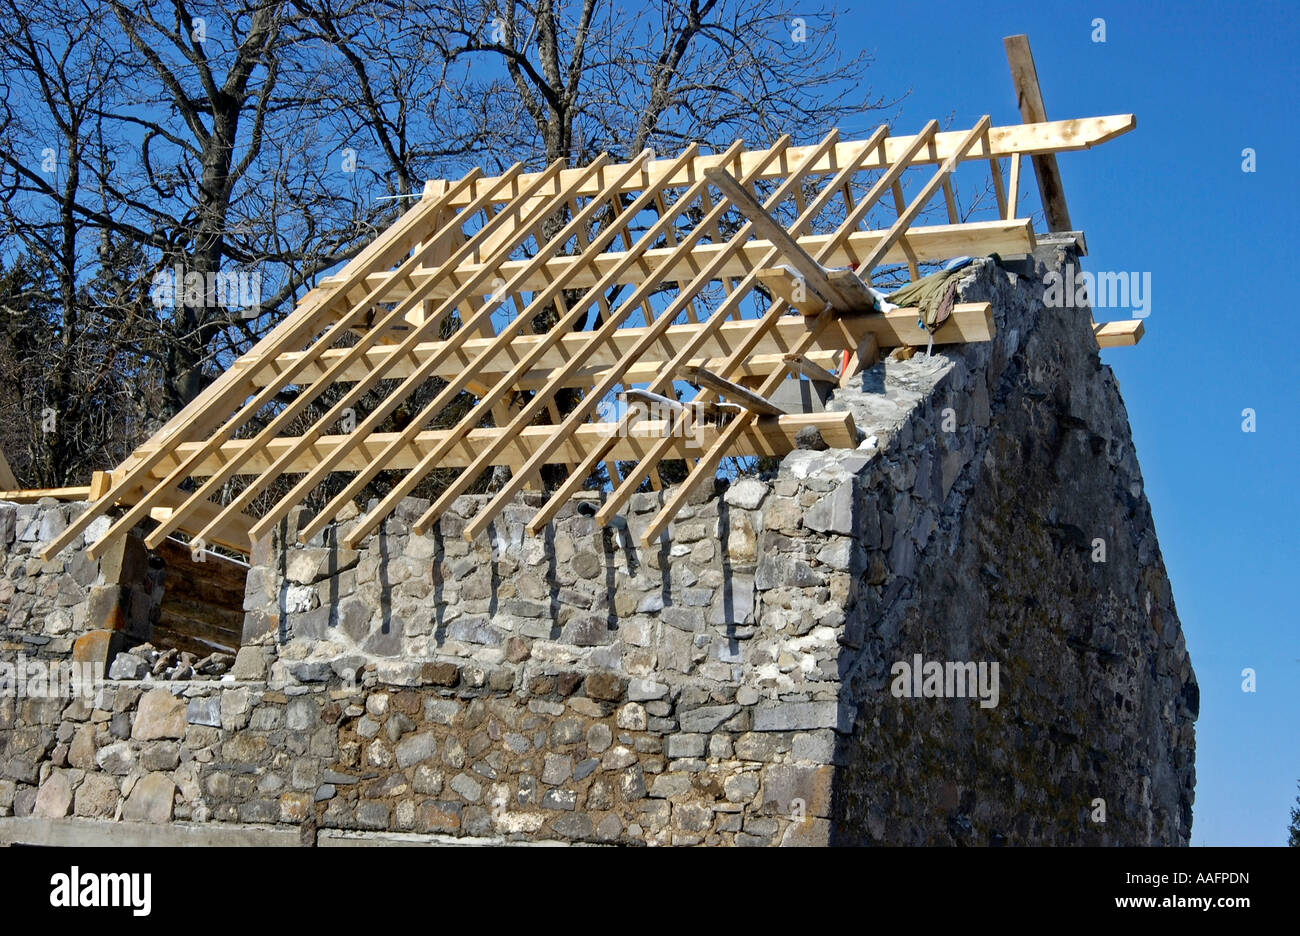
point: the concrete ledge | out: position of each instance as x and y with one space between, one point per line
64 833
339 838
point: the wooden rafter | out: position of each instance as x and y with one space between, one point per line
676 297
1029 97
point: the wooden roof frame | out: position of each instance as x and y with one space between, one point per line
646 245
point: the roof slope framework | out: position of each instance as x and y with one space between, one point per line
511 320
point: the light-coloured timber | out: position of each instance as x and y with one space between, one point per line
1122 334
773 436
802 364
1030 138
641 283
930 243
75 492
787 284
731 391
1029 97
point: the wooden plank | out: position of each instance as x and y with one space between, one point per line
1121 334
777 236
929 243
733 392
950 201
802 364
101 482
518 447
999 187
793 288
1013 188
1029 98
1051 136
900 205
76 492
615 351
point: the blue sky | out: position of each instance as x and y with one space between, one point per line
1171 198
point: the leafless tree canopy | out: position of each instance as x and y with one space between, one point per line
275 139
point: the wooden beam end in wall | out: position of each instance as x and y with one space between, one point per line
1121 334
100 483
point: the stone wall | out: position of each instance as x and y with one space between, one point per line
1007 523
734 685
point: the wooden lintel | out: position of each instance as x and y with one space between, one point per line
100 483
32 495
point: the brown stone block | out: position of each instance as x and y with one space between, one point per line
606 687
517 650
567 683
97 646
436 816
440 674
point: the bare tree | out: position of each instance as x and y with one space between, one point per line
278 137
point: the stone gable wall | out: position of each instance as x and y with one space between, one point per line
731 686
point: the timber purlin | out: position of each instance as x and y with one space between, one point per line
731 271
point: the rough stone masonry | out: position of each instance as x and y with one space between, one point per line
735 686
